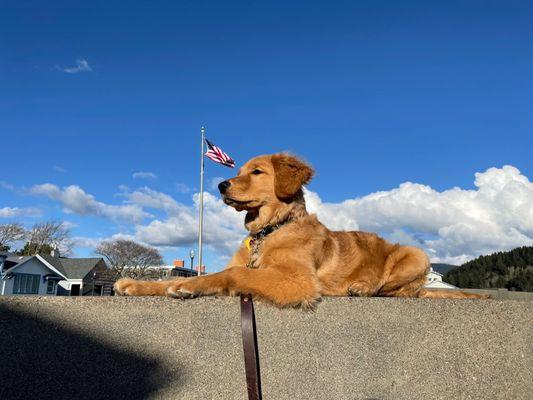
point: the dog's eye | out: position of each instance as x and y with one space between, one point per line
257 172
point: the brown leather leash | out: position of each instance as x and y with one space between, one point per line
250 349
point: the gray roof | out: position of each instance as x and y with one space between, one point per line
18 259
13 260
72 268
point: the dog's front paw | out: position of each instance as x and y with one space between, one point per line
128 287
182 290
360 289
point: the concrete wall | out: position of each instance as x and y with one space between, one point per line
502 294
349 348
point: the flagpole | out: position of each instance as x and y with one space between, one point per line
201 211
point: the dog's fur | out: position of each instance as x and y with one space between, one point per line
302 260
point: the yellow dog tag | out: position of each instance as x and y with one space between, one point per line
248 243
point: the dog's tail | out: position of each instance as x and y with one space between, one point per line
449 294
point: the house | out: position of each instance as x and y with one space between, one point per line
434 281
161 272
52 275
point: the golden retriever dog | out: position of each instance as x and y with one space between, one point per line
290 258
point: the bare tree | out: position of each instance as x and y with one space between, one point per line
128 258
10 233
44 236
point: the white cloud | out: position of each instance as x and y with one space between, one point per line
58 168
223 228
75 200
81 66
11 212
407 239
144 175
6 185
452 225
331 214
149 198
182 187
70 225
93 242
86 242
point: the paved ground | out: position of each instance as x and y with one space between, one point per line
146 348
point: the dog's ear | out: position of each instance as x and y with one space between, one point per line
290 174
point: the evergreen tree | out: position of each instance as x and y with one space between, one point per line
512 270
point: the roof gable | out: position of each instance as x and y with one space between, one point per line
23 260
73 268
68 268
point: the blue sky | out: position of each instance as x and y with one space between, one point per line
373 93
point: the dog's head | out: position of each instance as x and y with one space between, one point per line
271 180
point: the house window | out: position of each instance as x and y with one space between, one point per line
26 284
50 287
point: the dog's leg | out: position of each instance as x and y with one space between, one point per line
132 287
408 267
362 289
449 294
273 284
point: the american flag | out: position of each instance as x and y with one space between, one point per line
217 155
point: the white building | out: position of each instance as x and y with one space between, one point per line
435 281
48 275
177 269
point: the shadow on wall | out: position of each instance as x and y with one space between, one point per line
43 361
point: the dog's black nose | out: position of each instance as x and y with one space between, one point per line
223 186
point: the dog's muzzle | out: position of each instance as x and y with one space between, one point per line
223 186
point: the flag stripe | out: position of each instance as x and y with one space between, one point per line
216 154
221 153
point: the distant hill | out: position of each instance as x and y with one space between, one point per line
510 269
442 268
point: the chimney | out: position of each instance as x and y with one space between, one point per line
55 252
202 269
3 258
